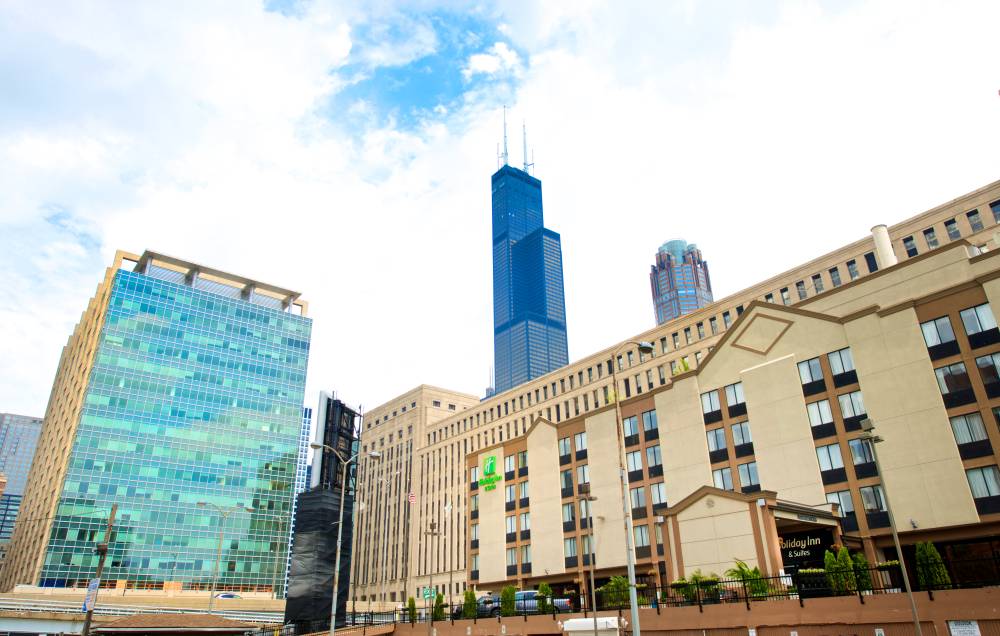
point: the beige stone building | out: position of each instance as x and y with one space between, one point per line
742 429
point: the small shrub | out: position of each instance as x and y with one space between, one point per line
846 566
614 593
438 614
751 578
862 571
507 601
469 609
931 572
544 594
411 609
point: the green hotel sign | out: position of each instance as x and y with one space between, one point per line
490 477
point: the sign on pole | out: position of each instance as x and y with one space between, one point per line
88 601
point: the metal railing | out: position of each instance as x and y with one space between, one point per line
71 607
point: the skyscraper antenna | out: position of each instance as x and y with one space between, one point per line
524 142
505 134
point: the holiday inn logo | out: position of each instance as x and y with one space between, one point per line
490 478
490 465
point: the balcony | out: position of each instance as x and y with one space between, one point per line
522 471
742 450
720 455
750 488
511 537
565 459
523 502
958 398
571 562
970 450
581 454
474 544
639 513
713 417
853 423
525 534
943 350
824 430
846 378
656 471
877 519
631 440
737 410
651 434
865 470
849 522
567 492
814 387
988 505
833 476
634 475
569 526
511 570
984 338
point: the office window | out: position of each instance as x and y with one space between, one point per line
649 421
511 557
631 426
434 403
871 262
726 319
710 402
951 226
634 460
474 503
861 451
568 513
653 455
638 497
930 237
952 378
687 335
852 269
580 440
974 221
785 298
511 493
525 520
820 413
829 457
526 554
677 340
701 330
716 439
843 498
522 458
524 489
873 499
851 404
978 319
984 482
968 428
734 394
769 298
995 208
723 478
631 358
841 361
937 331
569 547
583 474
564 446
909 246
508 464
800 289
741 433
641 536
713 325
817 280
566 479
511 524
810 371
658 493
748 474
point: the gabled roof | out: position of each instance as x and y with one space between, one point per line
705 491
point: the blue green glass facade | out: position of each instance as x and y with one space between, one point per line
18 441
679 281
195 396
529 306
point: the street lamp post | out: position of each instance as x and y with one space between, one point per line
430 619
345 463
867 426
593 554
224 513
644 348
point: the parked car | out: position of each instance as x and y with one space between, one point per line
487 605
527 603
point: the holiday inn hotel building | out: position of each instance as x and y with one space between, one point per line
178 397
743 432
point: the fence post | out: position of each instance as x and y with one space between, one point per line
797 582
656 599
857 584
746 595
697 593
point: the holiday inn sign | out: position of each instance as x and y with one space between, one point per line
490 477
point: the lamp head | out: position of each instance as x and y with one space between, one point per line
316 446
645 347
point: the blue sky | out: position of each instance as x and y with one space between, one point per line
344 150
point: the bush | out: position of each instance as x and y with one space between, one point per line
863 572
507 601
411 609
931 573
751 578
846 566
438 613
614 593
469 604
544 594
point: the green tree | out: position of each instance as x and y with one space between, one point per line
439 608
833 576
862 571
931 572
469 604
846 566
751 578
614 593
411 609
544 594
507 602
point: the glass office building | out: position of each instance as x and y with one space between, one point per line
529 307
194 397
679 280
18 441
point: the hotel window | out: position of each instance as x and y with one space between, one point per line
508 464
566 479
569 512
663 344
820 412
995 208
871 262
968 428
835 276
817 281
843 498
841 361
810 371
710 402
511 524
716 439
525 554
687 335
524 489
785 298
989 370
590 374
649 421
951 227
800 289
564 449
653 455
583 474
638 497
569 547
851 404
829 457
631 426
769 298
434 403
525 520
852 269
475 562
726 320
723 478
873 499
580 440
984 482
701 330
930 238
713 325
937 331
474 532
641 536
474 474
634 461
511 557
522 459
974 221
511 493
909 246
474 503
734 394
584 511
677 341
748 474
954 380
658 493
631 358
741 434
978 319
861 451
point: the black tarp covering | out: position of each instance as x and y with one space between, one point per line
310 581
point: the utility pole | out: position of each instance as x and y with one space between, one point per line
102 549
433 598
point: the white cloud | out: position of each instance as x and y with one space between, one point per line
500 59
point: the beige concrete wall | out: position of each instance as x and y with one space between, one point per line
605 484
492 532
714 533
546 501
922 471
782 438
683 447
992 289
